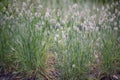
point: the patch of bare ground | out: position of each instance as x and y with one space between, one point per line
51 71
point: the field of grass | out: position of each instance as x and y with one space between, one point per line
59 40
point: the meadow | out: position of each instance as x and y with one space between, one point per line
59 40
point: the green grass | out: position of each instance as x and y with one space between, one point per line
29 32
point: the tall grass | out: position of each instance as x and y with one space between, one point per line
81 47
24 40
80 37
6 40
